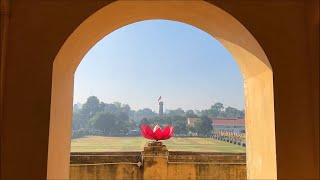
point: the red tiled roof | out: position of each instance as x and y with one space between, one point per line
228 121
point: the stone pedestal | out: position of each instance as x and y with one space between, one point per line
155 148
155 160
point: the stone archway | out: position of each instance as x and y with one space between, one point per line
255 67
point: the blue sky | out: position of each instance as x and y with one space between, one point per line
141 61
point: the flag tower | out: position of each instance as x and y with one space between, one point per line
160 107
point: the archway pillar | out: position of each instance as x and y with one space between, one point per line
260 133
259 113
61 127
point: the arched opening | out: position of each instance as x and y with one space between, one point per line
128 70
256 70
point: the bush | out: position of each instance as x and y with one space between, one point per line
79 133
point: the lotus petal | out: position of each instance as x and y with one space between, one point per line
165 132
156 127
146 132
146 135
143 133
171 133
158 134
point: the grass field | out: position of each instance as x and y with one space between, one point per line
103 144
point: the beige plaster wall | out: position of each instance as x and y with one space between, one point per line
288 32
296 85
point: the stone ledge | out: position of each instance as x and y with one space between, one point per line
173 156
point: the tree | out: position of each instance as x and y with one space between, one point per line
117 104
132 125
203 126
90 108
191 114
176 112
122 123
105 122
180 124
118 119
191 128
79 133
111 108
77 107
126 109
82 114
144 113
144 121
76 120
231 112
198 113
216 109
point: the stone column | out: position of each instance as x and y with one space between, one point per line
155 161
160 109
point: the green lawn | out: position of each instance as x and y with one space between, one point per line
102 143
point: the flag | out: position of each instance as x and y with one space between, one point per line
159 98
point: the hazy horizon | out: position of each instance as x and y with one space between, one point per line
139 62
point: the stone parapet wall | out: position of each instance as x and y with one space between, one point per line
82 158
171 165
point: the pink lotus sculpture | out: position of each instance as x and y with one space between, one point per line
157 133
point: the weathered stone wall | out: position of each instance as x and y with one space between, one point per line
175 165
105 171
124 165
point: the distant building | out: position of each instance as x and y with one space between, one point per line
220 124
230 125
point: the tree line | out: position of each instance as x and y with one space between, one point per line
95 117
